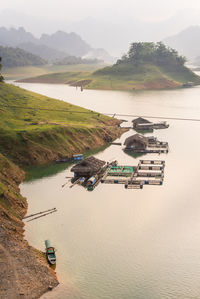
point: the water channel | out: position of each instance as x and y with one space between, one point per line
114 243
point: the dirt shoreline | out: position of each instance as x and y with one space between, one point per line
24 271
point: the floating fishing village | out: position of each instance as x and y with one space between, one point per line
89 172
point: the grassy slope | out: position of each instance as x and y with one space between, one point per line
27 71
33 136
123 77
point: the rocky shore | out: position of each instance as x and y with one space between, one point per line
24 272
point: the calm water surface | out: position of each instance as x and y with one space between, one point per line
114 243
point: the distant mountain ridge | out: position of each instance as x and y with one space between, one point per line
43 51
187 42
49 46
70 43
112 33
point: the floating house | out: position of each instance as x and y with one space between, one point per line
88 167
140 144
136 142
141 124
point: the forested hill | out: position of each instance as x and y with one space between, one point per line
51 46
146 53
12 57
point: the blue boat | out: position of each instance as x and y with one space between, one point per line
50 252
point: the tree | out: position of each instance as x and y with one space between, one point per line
152 53
1 77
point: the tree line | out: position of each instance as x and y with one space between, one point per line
13 57
73 60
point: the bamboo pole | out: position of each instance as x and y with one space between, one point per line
42 215
39 213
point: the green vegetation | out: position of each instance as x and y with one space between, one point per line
1 77
35 129
71 60
12 57
27 71
146 66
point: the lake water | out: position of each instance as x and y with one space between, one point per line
114 243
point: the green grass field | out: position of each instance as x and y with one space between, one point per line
35 129
32 71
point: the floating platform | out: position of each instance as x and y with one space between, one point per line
149 150
155 162
150 174
149 167
121 170
147 172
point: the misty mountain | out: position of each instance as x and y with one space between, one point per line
13 57
13 37
187 42
100 54
70 43
51 46
43 51
113 34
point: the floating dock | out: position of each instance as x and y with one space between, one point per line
148 150
147 172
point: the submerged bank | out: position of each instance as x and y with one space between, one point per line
34 131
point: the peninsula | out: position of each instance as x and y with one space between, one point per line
147 65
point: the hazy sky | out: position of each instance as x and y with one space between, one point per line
80 9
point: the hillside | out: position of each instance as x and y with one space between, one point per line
146 66
187 42
14 57
35 129
43 51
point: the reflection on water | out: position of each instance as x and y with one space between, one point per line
118 243
38 172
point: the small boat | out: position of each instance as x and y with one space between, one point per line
50 252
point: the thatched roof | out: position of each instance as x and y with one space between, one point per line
88 165
136 138
140 120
